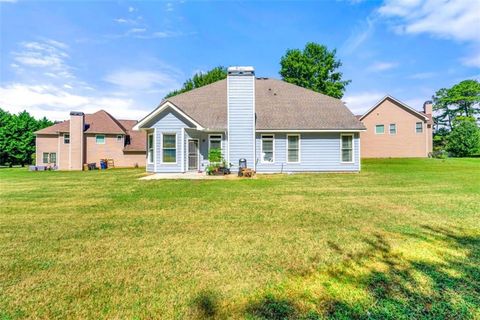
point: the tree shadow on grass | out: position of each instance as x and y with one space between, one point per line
447 288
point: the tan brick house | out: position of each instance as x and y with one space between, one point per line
88 138
396 130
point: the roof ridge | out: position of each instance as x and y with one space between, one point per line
114 120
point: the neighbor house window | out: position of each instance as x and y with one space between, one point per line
268 148
169 148
419 127
293 148
347 148
393 128
66 138
150 147
49 157
379 129
215 141
100 139
119 138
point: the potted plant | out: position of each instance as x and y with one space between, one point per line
218 165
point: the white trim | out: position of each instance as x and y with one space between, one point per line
397 101
273 148
359 153
221 140
198 153
153 148
308 130
254 146
390 131
353 147
299 146
415 128
58 154
382 126
228 120
183 149
104 138
164 105
161 148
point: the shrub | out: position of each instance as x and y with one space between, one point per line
464 140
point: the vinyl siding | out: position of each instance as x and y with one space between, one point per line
241 119
168 122
318 152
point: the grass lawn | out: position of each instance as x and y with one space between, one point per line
399 240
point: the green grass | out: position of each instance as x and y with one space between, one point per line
400 240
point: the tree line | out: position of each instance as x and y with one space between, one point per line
17 138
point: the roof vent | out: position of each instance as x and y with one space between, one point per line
76 113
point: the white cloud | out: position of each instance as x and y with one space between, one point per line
472 61
382 66
144 80
450 19
132 9
169 7
10 1
360 102
359 35
48 54
55 103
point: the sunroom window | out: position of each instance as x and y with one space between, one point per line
169 148
347 148
215 141
150 148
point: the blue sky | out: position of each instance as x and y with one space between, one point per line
124 56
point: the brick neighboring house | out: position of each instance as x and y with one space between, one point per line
87 138
396 130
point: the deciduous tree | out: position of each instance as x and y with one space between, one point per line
316 68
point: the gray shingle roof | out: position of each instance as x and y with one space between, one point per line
278 105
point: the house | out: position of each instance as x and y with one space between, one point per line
88 138
396 130
274 125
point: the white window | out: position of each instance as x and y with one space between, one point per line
66 138
53 157
119 138
347 147
419 127
49 157
268 148
393 128
150 147
169 148
293 148
379 129
100 139
215 141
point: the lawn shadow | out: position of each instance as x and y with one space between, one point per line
402 289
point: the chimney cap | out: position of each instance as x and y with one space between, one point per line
241 70
428 102
76 113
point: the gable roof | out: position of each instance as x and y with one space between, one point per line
138 141
98 122
278 105
420 115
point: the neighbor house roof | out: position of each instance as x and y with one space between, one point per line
98 122
103 122
399 103
278 105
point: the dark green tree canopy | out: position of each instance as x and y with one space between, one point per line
461 100
17 139
464 139
201 79
314 68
